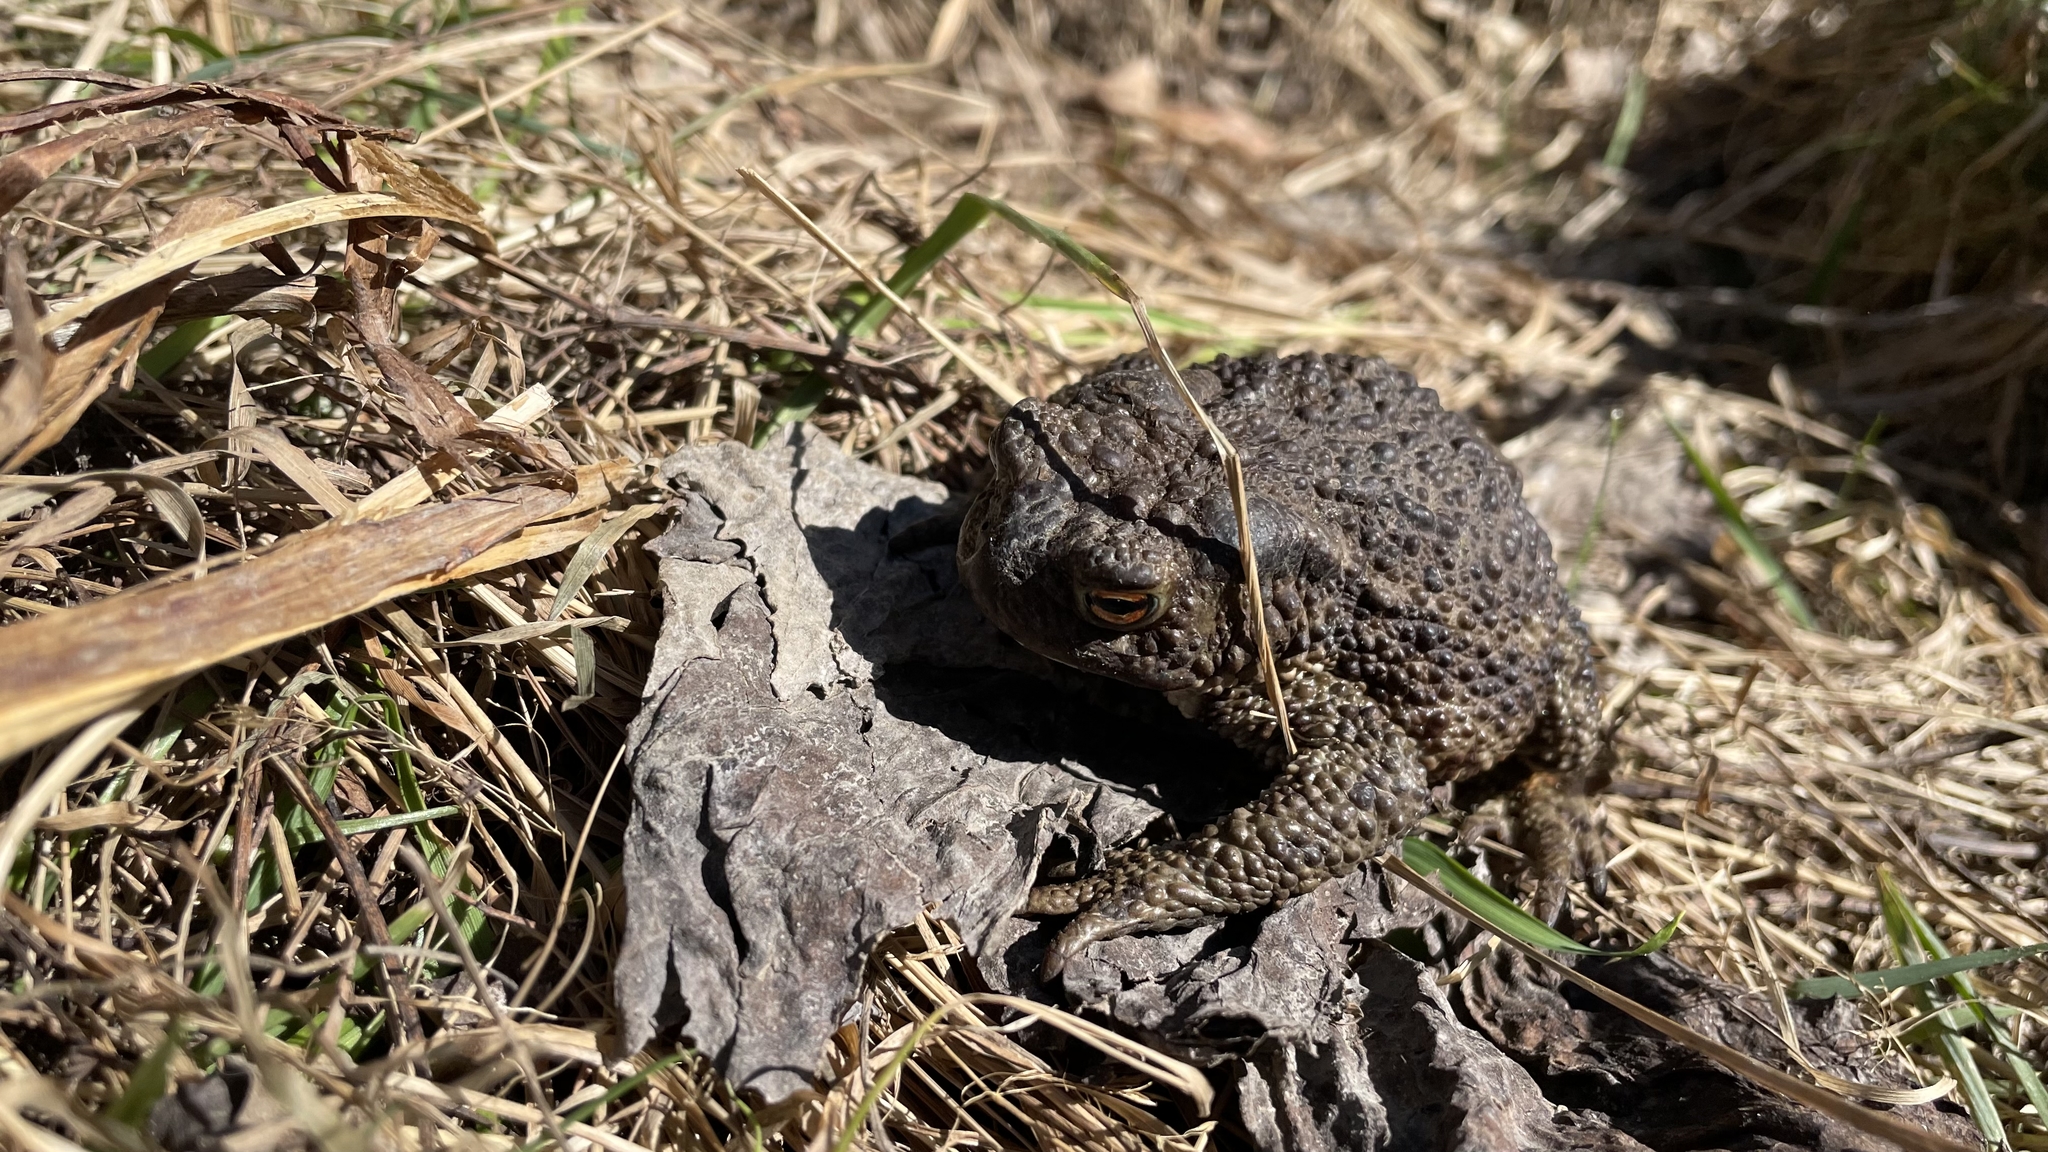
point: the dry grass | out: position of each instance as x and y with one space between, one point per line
1427 182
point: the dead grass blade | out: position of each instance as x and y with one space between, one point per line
988 377
76 757
1343 177
76 375
247 229
23 171
548 75
134 96
58 671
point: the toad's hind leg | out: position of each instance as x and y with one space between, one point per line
1334 806
1551 813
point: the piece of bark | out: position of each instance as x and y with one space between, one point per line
833 738
1587 1056
786 814
1337 1041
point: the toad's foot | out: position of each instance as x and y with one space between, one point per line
1549 820
1335 806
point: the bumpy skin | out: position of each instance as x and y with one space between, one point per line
1411 599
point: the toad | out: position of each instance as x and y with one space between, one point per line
1421 634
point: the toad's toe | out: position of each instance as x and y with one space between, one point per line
1082 931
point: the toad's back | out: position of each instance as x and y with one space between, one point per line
1412 597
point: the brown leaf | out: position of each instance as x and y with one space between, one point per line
247 229
59 671
246 103
21 394
70 516
285 300
437 346
430 408
434 412
416 695
423 186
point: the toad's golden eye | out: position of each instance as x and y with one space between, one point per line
1126 609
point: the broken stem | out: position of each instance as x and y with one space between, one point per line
1240 502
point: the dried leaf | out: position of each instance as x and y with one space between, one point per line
80 373
297 467
119 814
172 502
591 552
538 628
244 230
21 393
423 186
24 171
59 671
275 107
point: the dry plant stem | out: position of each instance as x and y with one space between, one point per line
255 226
1913 721
404 1021
490 106
1781 1010
57 671
1002 388
508 1032
632 318
289 1089
1240 502
58 776
1184 1078
547 947
455 1096
1906 1136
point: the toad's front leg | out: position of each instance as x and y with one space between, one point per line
1336 805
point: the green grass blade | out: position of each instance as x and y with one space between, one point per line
1911 938
150 1080
1501 914
401 929
170 351
1966 990
1166 321
1837 251
190 39
1782 585
365 824
1858 462
802 401
965 217
1634 98
1066 246
475 926
1888 979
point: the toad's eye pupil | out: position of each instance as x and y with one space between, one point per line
1122 609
